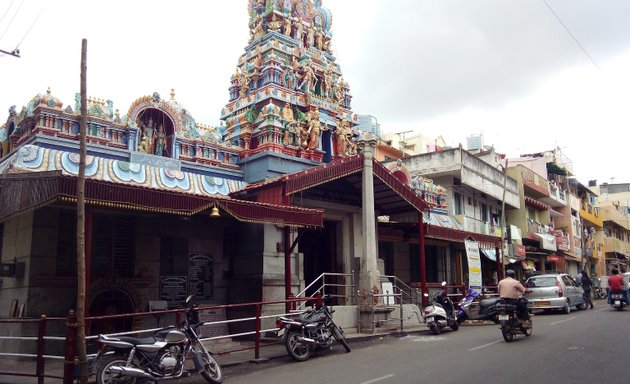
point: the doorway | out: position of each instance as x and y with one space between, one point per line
320 255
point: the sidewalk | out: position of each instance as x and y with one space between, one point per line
269 350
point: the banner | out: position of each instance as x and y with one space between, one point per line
474 265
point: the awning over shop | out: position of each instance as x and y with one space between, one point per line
547 241
490 254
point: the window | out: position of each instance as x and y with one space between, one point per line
484 213
457 202
531 213
113 250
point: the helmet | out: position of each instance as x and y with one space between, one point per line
510 273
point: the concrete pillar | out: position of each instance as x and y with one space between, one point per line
369 277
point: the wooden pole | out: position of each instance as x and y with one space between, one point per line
81 274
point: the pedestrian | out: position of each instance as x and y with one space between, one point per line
587 285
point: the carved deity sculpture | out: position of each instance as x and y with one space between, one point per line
308 79
160 144
287 26
314 129
148 133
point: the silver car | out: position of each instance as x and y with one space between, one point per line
554 291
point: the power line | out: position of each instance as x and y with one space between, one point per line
571 34
7 11
12 19
31 27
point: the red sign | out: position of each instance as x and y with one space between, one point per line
520 250
554 258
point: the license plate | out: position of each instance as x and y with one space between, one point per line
617 302
541 303
504 317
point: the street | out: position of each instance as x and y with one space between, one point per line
584 346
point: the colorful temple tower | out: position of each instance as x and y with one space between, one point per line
287 97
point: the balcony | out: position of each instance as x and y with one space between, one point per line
477 226
536 183
614 245
557 196
591 214
574 201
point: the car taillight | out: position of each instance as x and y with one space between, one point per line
559 289
279 324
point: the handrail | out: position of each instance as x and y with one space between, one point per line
69 355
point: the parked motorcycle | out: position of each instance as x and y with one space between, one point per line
511 325
313 329
440 313
618 300
472 308
160 357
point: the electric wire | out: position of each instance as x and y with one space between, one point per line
31 27
12 19
571 34
7 11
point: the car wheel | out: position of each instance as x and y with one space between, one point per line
582 306
567 308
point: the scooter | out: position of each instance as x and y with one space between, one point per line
471 307
440 313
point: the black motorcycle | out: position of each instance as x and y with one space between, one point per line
160 357
310 330
511 324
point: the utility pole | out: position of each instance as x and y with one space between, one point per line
81 272
503 223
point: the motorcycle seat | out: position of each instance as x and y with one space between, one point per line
487 302
135 341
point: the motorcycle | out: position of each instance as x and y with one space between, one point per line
160 357
472 308
440 313
510 324
618 300
310 330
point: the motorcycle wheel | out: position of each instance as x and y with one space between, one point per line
528 331
337 334
454 325
435 328
507 333
212 371
104 376
297 350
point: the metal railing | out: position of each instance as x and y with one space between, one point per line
248 327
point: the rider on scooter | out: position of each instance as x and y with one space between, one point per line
616 284
509 291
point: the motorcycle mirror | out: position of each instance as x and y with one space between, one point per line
444 283
425 294
189 298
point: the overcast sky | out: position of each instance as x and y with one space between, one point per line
507 69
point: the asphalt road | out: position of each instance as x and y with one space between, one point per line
589 346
